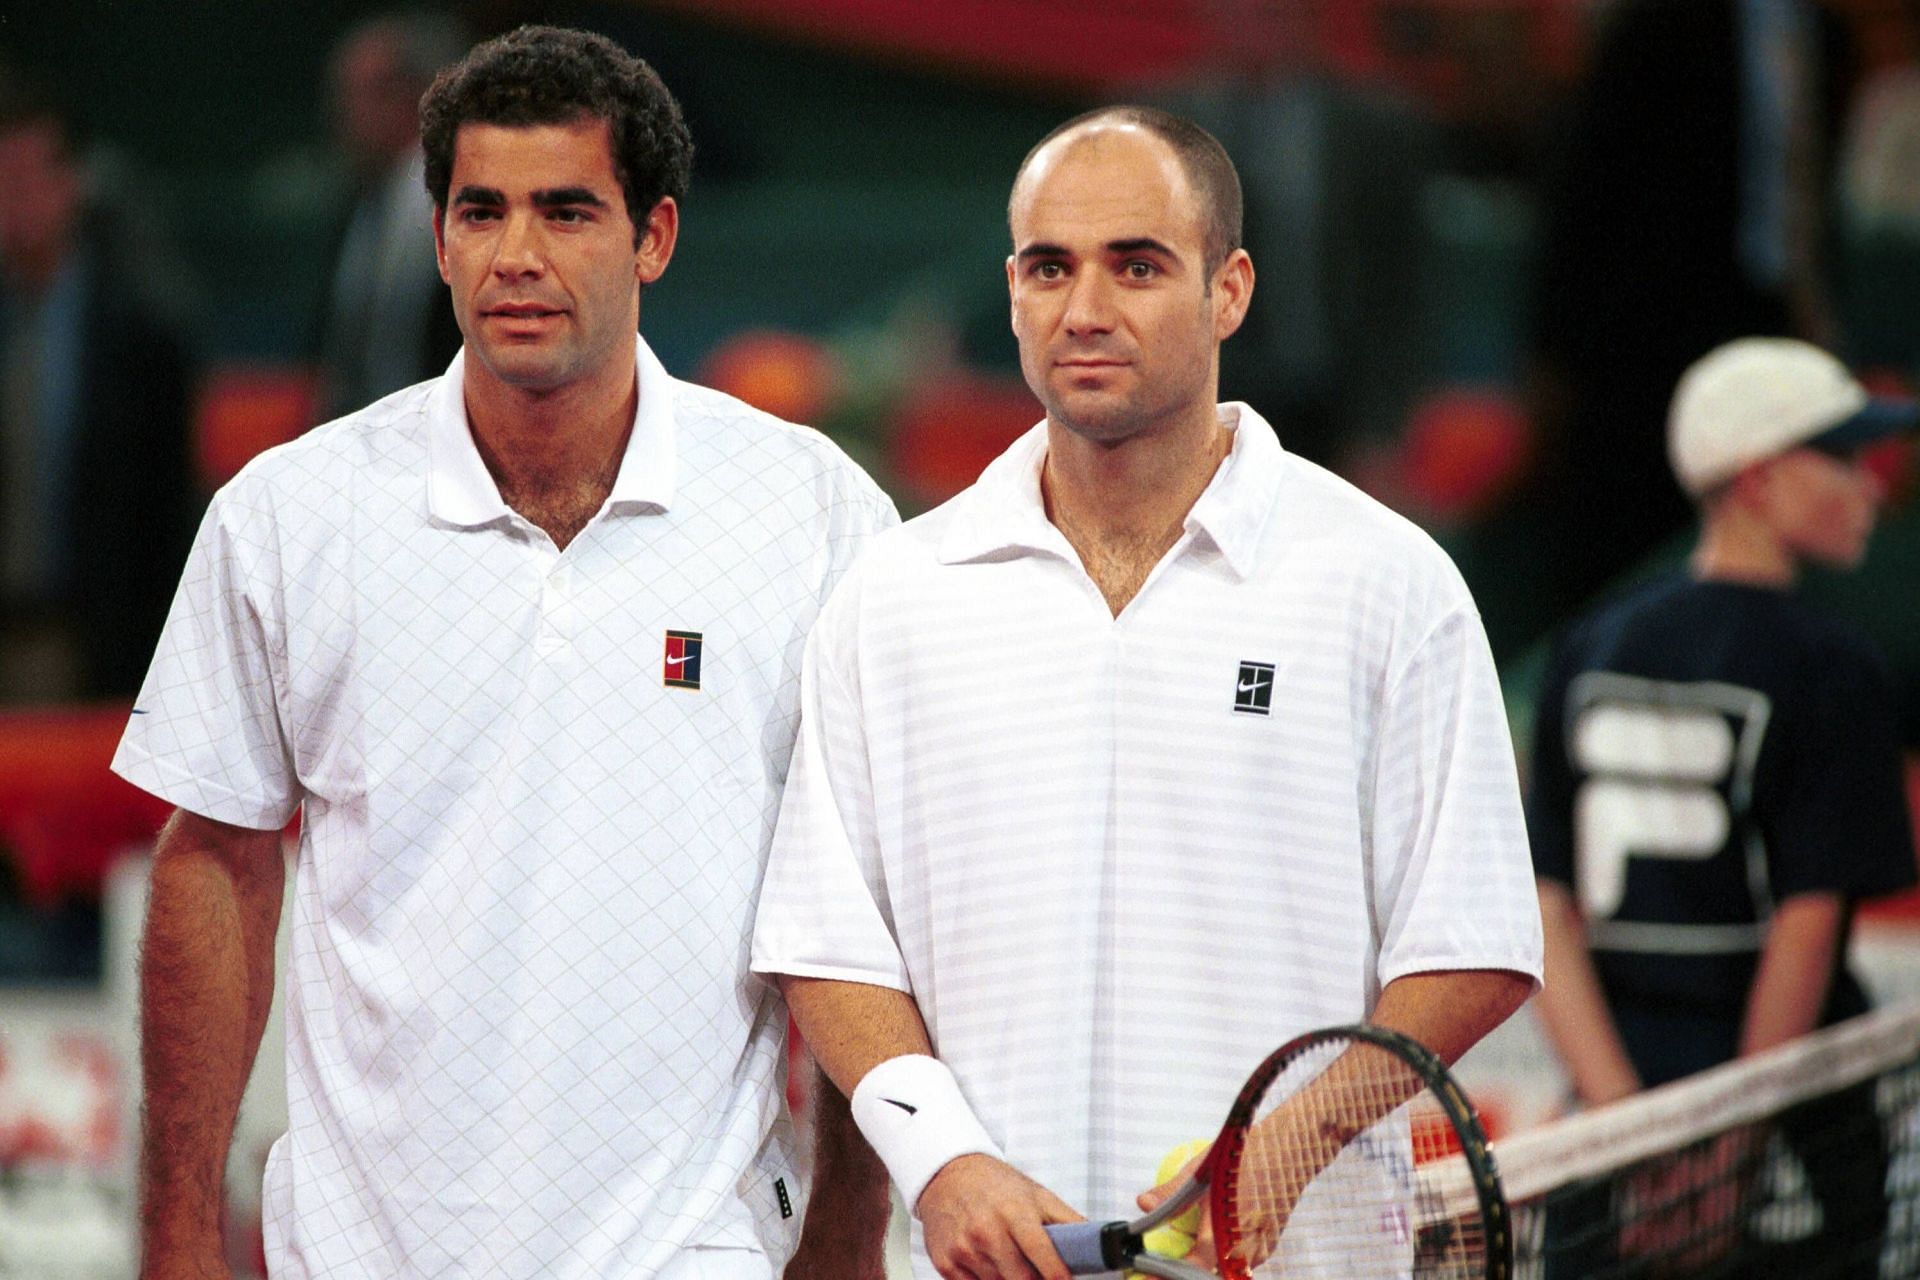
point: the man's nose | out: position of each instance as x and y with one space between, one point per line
1090 304
519 251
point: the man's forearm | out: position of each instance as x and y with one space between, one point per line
848 1178
1448 1011
852 1027
844 1236
206 986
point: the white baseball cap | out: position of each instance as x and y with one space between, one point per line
1756 397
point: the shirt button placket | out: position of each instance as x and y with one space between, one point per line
556 610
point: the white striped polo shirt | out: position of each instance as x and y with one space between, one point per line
1118 860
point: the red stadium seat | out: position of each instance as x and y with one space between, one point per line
64 817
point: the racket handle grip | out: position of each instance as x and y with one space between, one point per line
1083 1246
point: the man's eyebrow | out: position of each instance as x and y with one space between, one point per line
1042 250
1136 244
554 197
1140 244
479 195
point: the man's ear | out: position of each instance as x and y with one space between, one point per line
440 243
658 234
1232 294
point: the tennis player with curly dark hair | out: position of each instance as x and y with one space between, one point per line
521 645
550 75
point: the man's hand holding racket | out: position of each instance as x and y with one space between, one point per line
1325 1119
982 1218
985 1220
1289 1148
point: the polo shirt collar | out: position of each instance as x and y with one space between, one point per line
461 492
1004 511
1234 509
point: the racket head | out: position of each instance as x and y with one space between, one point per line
1352 1151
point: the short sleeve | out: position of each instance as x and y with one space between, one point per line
1550 780
206 733
823 909
858 509
1834 808
1453 886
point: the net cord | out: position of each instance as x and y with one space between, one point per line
1663 1119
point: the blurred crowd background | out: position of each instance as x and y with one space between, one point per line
1489 235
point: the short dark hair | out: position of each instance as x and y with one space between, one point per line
1206 162
551 75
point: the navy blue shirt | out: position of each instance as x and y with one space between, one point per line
1704 751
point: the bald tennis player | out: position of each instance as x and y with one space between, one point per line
1155 747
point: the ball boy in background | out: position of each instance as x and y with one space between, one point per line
1716 779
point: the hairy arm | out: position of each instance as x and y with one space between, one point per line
983 1218
853 1027
844 1236
1796 970
1446 1011
1573 1007
206 986
1449 1010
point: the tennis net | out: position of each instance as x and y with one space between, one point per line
1803 1162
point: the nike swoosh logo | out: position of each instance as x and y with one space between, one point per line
906 1107
138 711
1249 688
674 662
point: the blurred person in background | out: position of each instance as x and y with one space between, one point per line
1691 205
388 324
96 495
1716 779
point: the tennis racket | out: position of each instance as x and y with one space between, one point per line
1349 1152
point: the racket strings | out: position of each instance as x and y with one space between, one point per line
1329 1178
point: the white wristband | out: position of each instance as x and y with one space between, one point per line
911 1110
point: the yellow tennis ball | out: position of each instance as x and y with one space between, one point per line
1176 1159
1188 1221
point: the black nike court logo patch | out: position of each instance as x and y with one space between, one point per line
906 1107
1254 691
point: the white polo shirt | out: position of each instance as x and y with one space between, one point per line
1119 860
537 788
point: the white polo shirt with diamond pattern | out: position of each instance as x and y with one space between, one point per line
522 1035
1119 860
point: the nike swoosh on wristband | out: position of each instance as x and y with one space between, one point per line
906 1107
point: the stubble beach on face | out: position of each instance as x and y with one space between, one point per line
540 251
1108 244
